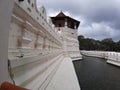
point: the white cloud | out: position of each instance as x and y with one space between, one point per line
98 31
99 18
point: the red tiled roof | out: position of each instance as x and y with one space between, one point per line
61 14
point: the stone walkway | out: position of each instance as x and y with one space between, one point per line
65 77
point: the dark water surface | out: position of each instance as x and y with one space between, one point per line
96 74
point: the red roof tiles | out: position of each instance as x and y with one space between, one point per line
61 14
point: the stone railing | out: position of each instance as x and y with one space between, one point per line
112 57
100 54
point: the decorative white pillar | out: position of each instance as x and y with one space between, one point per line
6 7
44 43
65 23
75 26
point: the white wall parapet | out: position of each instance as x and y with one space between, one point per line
36 50
112 57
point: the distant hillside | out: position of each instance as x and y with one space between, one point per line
104 45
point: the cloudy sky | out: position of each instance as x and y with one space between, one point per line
99 18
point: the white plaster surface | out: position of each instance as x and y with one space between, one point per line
112 57
65 77
113 62
33 46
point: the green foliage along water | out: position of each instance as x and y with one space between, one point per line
104 45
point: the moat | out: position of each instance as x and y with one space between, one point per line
96 74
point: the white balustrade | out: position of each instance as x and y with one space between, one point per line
112 57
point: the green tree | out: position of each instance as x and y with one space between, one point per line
106 44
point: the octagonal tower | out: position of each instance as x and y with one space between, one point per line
68 27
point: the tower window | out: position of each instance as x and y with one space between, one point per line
43 11
59 25
20 0
32 5
72 33
29 9
28 1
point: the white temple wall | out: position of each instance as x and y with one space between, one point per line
35 49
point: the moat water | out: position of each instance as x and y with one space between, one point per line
96 74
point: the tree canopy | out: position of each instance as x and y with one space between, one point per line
106 44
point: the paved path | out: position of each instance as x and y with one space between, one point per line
65 77
96 74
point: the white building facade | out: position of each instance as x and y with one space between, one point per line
40 56
67 27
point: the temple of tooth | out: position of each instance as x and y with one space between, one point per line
36 51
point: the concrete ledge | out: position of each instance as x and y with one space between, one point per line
113 63
65 77
76 59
